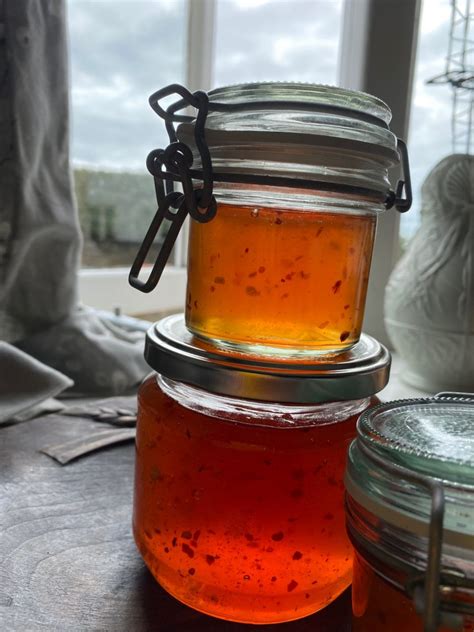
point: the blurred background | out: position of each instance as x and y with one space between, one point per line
123 50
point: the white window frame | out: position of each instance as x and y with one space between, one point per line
377 55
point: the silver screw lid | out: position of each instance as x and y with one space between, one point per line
362 371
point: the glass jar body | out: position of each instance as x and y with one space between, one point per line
378 605
280 273
388 560
239 513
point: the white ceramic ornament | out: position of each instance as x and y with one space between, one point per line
429 300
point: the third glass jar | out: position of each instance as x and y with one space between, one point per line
282 270
404 451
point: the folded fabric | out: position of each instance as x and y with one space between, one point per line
25 383
101 357
40 238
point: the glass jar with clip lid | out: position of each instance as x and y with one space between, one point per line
283 183
410 516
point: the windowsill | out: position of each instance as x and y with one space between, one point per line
396 387
108 288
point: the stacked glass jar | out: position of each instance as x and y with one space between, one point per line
243 430
410 516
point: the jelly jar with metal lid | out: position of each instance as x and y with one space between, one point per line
284 183
239 496
410 516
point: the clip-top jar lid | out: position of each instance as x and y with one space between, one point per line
357 373
431 436
310 130
327 141
429 439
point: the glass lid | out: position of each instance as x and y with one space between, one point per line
288 92
434 437
406 449
309 131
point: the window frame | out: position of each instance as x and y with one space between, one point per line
108 288
376 55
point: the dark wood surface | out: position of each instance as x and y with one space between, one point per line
67 556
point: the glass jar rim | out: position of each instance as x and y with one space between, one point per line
251 195
259 413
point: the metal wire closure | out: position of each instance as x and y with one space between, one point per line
171 165
174 164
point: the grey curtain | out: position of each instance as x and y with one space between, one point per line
40 239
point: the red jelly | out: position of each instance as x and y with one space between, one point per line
240 513
239 508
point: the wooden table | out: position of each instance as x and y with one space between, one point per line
67 556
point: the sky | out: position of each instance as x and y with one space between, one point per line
429 134
123 50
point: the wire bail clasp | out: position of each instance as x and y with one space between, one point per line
425 588
170 165
395 198
175 164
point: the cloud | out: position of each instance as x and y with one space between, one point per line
123 50
282 40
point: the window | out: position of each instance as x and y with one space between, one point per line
231 41
282 40
120 52
430 136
